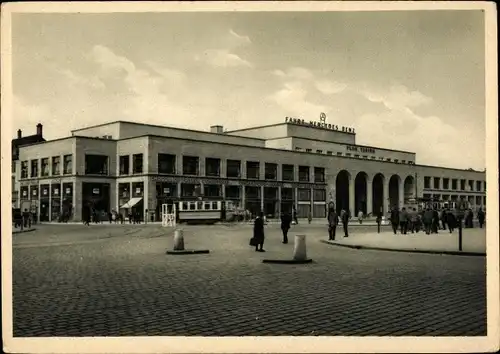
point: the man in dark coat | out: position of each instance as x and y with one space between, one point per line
427 220
394 220
344 215
258 232
480 217
435 221
450 220
403 221
333 221
443 217
286 221
294 215
379 221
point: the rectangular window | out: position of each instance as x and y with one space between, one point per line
478 186
339 154
233 192
13 167
287 172
166 163
24 192
319 174
124 165
212 190
308 150
137 161
190 165
253 170
319 211
96 165
436 183
287 194
319 151
24 169
34 168
462 184
427 182
34 192
271 171
319 195
356 155
252 192
303 194
454 183
329 152
138 189
446 183
303 173
484 186
478 200
45 167
212 167
68 164
56 165
233 168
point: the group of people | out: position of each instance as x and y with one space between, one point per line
430 220
91 215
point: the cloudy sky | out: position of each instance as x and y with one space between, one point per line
405 80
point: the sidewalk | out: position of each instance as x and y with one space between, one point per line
473 242
19 231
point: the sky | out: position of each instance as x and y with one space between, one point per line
405 80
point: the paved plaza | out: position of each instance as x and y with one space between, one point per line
116 280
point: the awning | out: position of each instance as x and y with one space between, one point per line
131 203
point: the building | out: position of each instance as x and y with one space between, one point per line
271 168
16 144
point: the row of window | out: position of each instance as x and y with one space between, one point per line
454 184
348 154
479 200
45 190
167 164
48 167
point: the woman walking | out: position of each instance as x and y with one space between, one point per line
258 232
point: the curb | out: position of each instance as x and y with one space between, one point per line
22 231
451 253
287 261
188 252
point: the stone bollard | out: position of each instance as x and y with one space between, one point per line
299 251
179 240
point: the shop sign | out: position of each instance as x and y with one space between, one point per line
25 193
319 124
68 190
56 191
360 149
45 192
138 191
95 191
166 190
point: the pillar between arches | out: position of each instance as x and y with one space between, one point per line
386 195
369 195
352 200
401 193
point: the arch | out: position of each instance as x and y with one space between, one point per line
394 196
360 193
342 190
378 193
409 189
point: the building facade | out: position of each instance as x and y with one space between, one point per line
271 168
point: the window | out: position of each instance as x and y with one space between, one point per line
24 169
308 150
404 161
287 172
13 167
471 185
68 164
190 165
319 211
212 167
446 183
286 193
233 169
233 192
188 190
389 159
96 165
319 174
212 190
166 163
365 156
427 182
436 182
339 154
56 165
478 187
329 152
454 183
319 195
45 167
303 173
396 160
462 184
138 189
484 187
298 148
24 192
271 171
137 161
124 165
253 170
373 158
34 168
319 151
304 195
348 154
356 155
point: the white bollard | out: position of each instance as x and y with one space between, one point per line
178 240
299 251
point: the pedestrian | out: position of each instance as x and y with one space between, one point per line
309 217
344 216
294 215
333 221
427 220
110 217
360 217
442 217
379 221
258 232
403 221
435 221
470 216
395 220
286 221
480 217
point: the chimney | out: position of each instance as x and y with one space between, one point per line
19 134
219 129
39 129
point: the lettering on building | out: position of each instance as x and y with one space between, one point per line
360 149
321 124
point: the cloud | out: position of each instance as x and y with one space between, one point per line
292 99
223 58
295 73
398 97
27 115
79 80
239 39
330 87
172 76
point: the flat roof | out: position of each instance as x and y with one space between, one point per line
294 124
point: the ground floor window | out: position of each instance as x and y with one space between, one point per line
303 210
319 211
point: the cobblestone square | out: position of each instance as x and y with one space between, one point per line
116 280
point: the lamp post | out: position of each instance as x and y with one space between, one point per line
460 216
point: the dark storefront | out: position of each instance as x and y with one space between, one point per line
55 202
67 201
166 193
287 200
138 192
34 201
95 197
252 200
271 202
44 202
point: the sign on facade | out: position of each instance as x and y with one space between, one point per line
95 190
321 124
360 149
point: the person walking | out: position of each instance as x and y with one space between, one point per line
395 220
451 221
427 220
294 215
333 221
344 216
286 221
435 221
480 217
403 221
258 232
378 221
360 217
442 217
